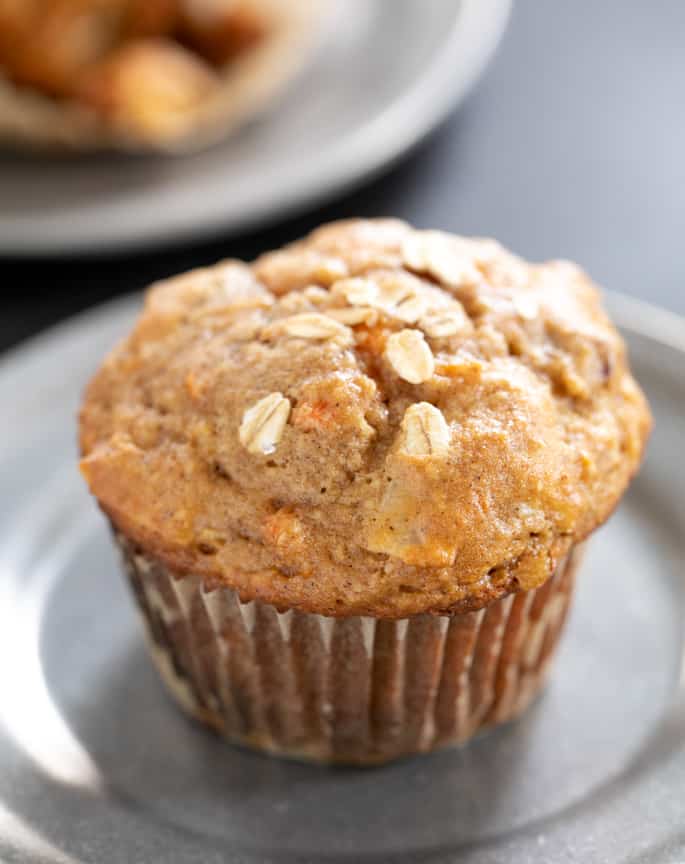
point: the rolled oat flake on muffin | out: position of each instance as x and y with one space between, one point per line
352 513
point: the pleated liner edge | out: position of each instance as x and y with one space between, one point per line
350 690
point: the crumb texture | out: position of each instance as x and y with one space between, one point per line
374 420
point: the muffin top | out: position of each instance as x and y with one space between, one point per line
374 420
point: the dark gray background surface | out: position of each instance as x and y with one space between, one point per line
572 145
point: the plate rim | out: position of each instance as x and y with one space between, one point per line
374 148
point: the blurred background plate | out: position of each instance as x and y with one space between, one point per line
386 75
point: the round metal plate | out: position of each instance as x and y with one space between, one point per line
386 75
97 765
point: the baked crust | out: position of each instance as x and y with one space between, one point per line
272 427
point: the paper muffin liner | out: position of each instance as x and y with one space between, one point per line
350 690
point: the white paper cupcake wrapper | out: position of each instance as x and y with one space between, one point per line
358 689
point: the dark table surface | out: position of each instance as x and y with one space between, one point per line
572 145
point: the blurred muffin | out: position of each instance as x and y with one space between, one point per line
145 74
352 482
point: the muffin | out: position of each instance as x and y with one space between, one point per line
352 482
144 74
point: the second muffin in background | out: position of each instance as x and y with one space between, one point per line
146 75
351 482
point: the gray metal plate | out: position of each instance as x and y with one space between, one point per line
385 76
96 765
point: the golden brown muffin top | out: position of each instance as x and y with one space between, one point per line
374 420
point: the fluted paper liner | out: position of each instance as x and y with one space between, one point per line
357 689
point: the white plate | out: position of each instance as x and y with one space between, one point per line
97 765
389 71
